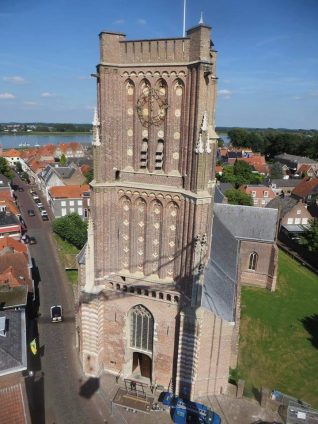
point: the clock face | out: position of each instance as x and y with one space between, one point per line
151 107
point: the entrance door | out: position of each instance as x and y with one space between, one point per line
141 365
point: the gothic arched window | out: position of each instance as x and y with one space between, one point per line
141 328
253 261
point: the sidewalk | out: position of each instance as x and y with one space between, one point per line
231 410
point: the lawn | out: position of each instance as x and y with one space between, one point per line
279 334
64 248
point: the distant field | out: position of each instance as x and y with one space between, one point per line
279 334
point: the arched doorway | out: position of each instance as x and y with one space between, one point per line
142 365
141 342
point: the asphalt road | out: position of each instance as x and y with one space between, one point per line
58 393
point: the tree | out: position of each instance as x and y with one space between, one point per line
276 171
63 160
238 197
18 166
5 169
89 176
310 237
25 177
72 229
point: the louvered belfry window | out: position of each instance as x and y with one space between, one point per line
141 329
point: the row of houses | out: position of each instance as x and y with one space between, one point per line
17 296
63 187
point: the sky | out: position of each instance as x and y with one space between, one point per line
267 63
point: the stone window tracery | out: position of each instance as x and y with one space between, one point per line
141 329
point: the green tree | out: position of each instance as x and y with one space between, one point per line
5 169
72 229
18 166
310 237
25 177
89 176
63 160
276 171
238 197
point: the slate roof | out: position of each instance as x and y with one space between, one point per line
11 297
232 223
218 195
6 219
283 204
294 158
13 356
290 182
248 223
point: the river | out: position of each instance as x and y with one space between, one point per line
15 141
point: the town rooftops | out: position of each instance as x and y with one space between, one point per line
8 220
12 296
12 153
69 192
16 264
283 204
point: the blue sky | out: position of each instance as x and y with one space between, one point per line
267 61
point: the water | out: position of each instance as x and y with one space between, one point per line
13 141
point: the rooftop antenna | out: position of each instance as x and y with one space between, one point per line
201 19
184 17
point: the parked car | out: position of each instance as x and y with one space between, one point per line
56 313
44 217
31 212
39 205
21 189
32 240
37 200
25 239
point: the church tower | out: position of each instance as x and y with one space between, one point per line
149 234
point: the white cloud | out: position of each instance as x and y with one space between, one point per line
16 80
7 96
119 21
226 94
141 21
47 94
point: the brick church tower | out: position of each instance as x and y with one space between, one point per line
149 237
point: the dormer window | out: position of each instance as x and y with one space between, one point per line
253 193
265 193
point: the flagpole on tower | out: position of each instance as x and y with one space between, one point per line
184 17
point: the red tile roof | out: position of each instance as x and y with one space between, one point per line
70 192
259 191
10 206
305 187
14 268
14 405
16 245
11 153
218 169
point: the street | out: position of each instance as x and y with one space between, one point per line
58 392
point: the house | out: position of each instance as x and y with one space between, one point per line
294 162
5 185
69 150
307 170
10 225
218 170
294 216
54 176
68 199
256 161
260 194
307 190
12 156
284 186
13 347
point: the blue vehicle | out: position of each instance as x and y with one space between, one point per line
184 411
